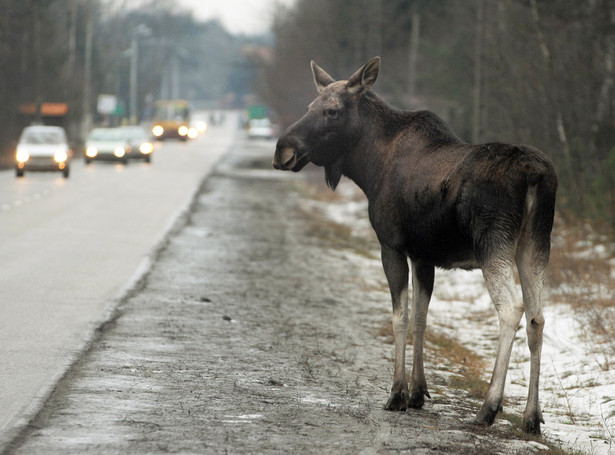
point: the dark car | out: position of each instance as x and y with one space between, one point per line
140 142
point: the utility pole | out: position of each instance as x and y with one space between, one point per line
38 61
174 77
87 76
141 30
72 39
134 62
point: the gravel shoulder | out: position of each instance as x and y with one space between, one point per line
254 332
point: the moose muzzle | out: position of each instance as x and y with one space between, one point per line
285 158
288 156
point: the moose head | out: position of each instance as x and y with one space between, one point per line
331 126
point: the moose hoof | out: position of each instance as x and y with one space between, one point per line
417 400
398 401
531 425
486 415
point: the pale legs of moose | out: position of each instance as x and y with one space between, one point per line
438 202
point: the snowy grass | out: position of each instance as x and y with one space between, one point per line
578 358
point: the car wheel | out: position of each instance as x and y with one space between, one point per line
148 159
19 172
66 172
88 161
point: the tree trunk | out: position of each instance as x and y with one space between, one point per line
413 56
478 72
604 97
559 119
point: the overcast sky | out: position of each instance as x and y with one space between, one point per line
238 16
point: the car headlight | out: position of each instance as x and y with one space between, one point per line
182 130
119 152
193 133
60 156
146 148
22 156
91 152
157 130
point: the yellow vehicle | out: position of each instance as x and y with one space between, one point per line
171 119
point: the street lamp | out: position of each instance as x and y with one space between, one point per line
141 30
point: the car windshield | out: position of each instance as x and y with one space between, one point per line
42 137
260 122
107 134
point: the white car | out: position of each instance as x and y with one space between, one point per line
107 144
262 129
43 148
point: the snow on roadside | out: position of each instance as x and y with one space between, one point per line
577 385
577 391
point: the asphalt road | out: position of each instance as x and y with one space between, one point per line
261 327
70 249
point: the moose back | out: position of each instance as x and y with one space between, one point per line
441 203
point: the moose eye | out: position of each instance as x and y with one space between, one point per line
331 112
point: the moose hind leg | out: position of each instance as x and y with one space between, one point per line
422 287
531 265
501 286
396 270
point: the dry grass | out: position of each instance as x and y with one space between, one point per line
338 235
581 274
579 258
468 365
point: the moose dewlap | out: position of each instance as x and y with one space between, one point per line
441 203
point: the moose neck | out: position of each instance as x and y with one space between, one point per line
386 135
365 163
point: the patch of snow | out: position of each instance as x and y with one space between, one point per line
577 380
312 399
246 418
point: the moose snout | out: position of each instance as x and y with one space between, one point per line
285 158
291 154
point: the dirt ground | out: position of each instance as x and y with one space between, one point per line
253 333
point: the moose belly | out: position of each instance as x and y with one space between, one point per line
442 249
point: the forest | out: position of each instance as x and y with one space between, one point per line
538 72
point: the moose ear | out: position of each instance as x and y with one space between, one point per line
321 77
364 78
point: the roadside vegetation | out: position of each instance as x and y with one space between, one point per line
582 276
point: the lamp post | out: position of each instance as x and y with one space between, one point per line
87 76
141 30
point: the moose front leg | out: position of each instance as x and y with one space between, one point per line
396 270
422 287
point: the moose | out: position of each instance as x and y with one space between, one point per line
442 203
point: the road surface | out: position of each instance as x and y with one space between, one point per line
71 248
